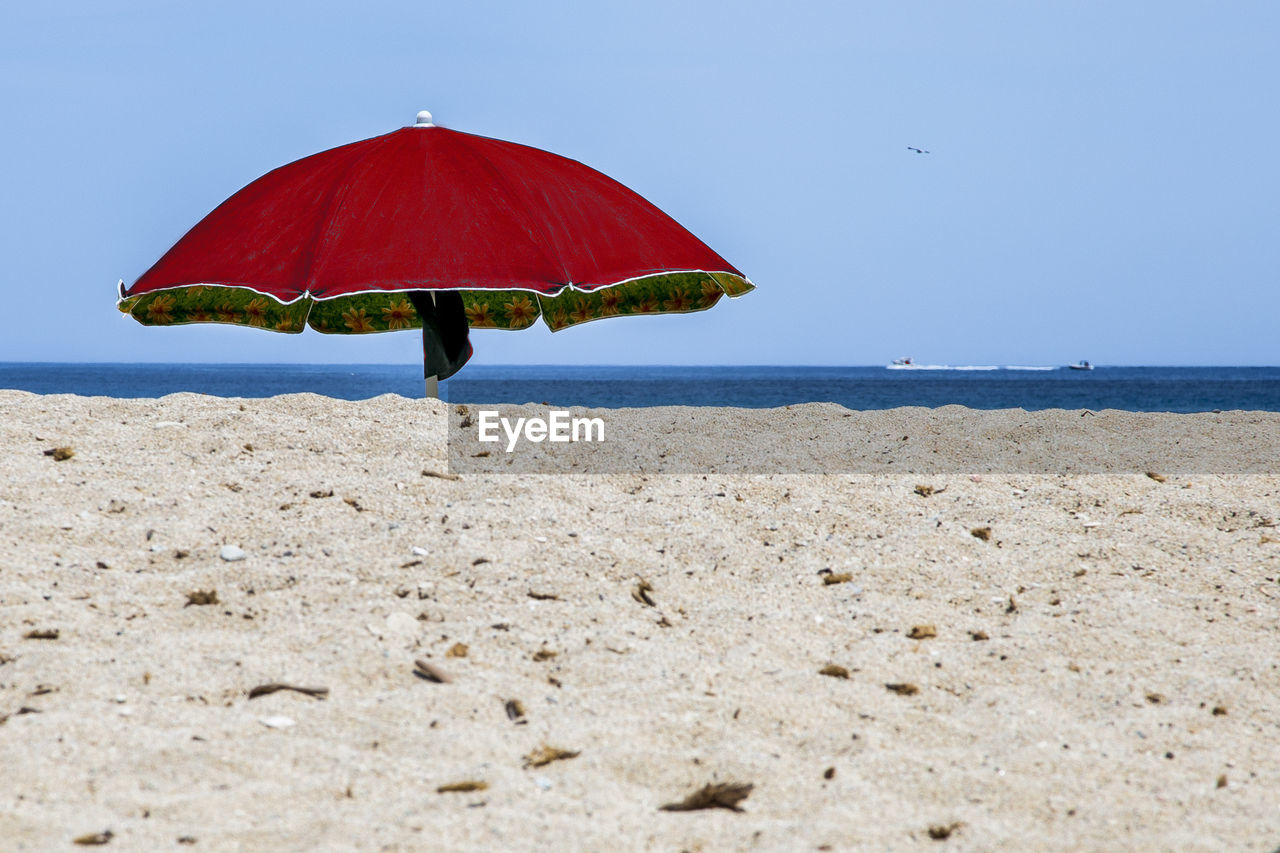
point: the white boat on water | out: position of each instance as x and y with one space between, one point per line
1080 365
908 364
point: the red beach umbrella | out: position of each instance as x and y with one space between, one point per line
433 228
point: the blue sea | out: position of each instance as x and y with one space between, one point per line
1148 389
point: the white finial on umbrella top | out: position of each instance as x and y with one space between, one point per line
424 120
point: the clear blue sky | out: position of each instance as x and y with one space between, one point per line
1103 181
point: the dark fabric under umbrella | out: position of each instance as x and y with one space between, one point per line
445 347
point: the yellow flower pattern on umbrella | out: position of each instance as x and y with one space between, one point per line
520 311
399 315
160 311
479 317
389 311
256 312
677 304
610 299
581 312
357 322
711 293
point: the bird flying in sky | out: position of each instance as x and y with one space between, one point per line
917 150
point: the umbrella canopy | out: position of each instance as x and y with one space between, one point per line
349 240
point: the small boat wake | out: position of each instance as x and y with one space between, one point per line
908 364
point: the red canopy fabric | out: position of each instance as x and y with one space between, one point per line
425 207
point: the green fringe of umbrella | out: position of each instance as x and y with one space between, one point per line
361 313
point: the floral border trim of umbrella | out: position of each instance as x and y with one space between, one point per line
389 311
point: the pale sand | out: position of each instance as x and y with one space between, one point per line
1120 611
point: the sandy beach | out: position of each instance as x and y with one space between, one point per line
940 643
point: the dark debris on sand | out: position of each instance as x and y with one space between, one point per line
721 795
